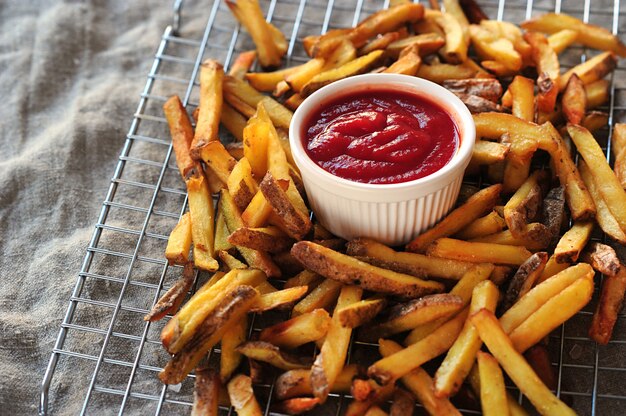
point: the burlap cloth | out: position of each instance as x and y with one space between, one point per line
70 77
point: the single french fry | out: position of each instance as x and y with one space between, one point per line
174 297
323 296
455 49
427 43
561 40
266 81
348 270
221 233
182 135
394 366
553 313
202 222
489 224
408 63
278 299
541 293
242 64
619 151
361 312
269 239
533 236
539 359
378 396
602 258
595 120
591 70
206 393
230 261
488 153
472 209
608 308
574 100
492 46
332 356
548 68
271 354
493 400
523 98
236 148
477 252
587 34
439 73
218 159
516 366
296 405
525 278
382 41
294 383
461 355
211 98
298 331
229 356
297 223
573 241
523 205
515 409
179 241
597 93
242 396
257 212
241 184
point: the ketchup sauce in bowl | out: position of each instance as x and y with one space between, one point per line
381 155
380 136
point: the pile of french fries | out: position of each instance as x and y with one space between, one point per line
476 295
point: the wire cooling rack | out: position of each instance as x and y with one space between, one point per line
108 358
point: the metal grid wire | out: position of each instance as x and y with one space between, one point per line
146 198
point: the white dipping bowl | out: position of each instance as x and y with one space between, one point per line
390 213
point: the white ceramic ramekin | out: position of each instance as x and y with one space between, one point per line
391 213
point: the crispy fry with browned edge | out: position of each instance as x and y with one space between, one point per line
464 289
461 355
417 265
242 396
591 70
548 68
179 241
578 198
487 88
619 151
455 49
540 294
182 135
602 258
391 368
348 270
472 209
279 299
408 63
426 43
525 278
421 385
295 383
493 400
217 158
271 354
269 239
409 315
534 236
587 34
382 41
233 305
609 305
297 223
241 184
573 241
269 41
299 330
574 100
516 366
477 252
202 222
210 108
230 358
524 205
361 312
206 393
174 297
332 355
553 313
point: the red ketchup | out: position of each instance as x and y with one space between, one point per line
380 136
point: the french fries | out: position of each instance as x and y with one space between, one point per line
202 222
304 328
174 297
211 98
179 242
493 400
296 383
242 396
206 393
229 356
590 71
619 151
525 278
609 305
574 101
545 57
477 252
271 354
182 134
361 312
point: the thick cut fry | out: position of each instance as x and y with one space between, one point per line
242 396
472 209
608 185
455 49
525 278
296 221
254 258
279 299
619 151
271 354
266 81
304 278
269 41
323 296
218 159
609 306
298 331
174 297
553 313
240 183
548 68
595 120
398 364
348 270
574 100
516 367
202 222
295 383
332 356
439 73
523 98
408 63
358 66
541 293
489 224
385 21
409 315
242 64
524 205
493 400
182 135
233 305
534 236
221 234
211 98
490 89
573 241
472 10
179 242
597 93
492 46
414 264
578 198
587 34
591 70
602 258
427 44
382 41
269 239
229 356
561 40
361 312
461 355
477 252
206 393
